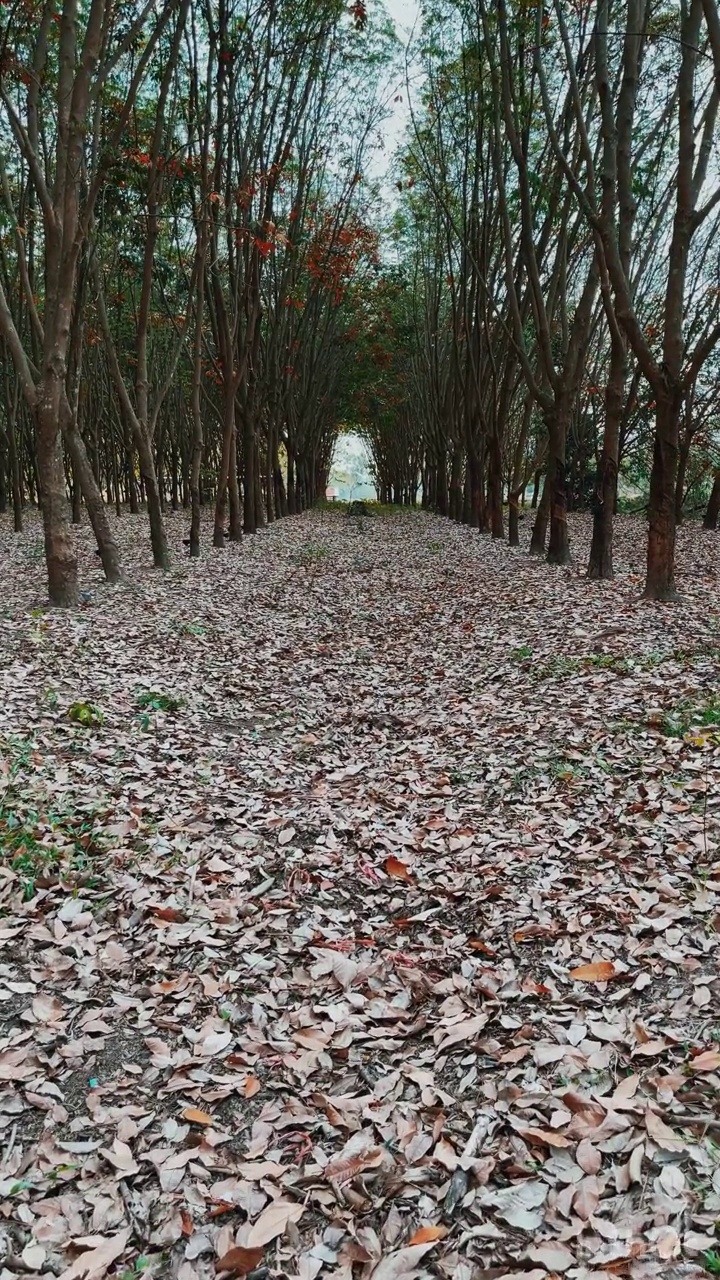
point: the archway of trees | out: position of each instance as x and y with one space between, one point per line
199 282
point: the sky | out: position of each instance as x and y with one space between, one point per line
404 14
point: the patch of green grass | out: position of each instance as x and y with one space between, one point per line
153 700
311 556
711 1262
38 847
524 651
687 718
150 701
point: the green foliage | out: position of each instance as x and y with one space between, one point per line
41 844
150 701
711 1262
85 714
311 555
693 718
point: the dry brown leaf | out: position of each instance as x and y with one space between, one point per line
402 1263
273 1221
424 1235
556 1257
546 1137
661 1133
96 1260
171 914
347 1169
239 1260
600 971
194 1116
708 1060
588 1157
121 1158
394 867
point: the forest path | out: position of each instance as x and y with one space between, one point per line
353 802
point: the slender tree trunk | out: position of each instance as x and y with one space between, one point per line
513 520
234 492
60 550
601 548
441 482
684 454
158 536
539 531
249 472
660 578
15 475
224 472
97 511
197 424
495 488
713 507
559 544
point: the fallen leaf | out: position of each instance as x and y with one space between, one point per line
171 914
553 1256
708 1060
661 1133
423 1235
238 1260
347 1169
588 1156
121 1158
600 971
394 867
194 1116
95 1261
273 1221
402 1263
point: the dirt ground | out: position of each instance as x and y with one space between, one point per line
360 900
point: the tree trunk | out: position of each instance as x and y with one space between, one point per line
235 528
15 476
224 473
513 520
158 536
60 550
97 511
601 548
249 473
660 578
558 545
684 454
713 506
539 531
495 488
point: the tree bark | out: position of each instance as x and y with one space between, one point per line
660 579
97 511
600 565
713 507
60 550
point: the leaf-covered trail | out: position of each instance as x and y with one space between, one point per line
296 914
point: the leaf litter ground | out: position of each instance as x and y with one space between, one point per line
360 898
